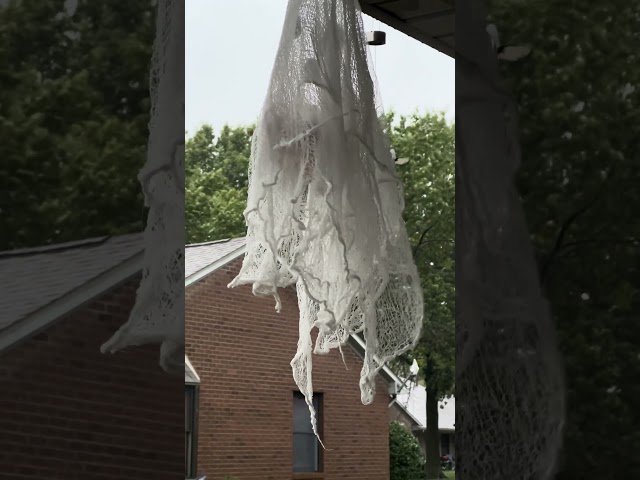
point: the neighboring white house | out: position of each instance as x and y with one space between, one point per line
413 399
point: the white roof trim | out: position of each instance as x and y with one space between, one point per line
191 369
386 369
396 380
41 319
209 269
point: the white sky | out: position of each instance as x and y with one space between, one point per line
230 50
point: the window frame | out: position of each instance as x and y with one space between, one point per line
319 473
191 463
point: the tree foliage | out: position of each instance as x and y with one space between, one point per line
428 178
405 458
216 183
74 108
428 142
577 95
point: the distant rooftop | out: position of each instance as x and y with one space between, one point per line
414 398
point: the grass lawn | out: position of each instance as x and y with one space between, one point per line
450 474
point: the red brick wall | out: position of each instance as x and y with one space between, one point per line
70 412
242 349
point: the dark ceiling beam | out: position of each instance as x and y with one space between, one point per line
423 16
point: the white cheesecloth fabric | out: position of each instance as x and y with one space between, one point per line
324 208
158 314
509 374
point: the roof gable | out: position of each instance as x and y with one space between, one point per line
43 284
202 259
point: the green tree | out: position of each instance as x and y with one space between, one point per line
428 142
405 458
216 183
577 99
74 109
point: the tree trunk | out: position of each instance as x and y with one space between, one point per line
433 470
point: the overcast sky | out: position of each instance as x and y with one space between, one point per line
231 47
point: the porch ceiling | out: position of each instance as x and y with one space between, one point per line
431 22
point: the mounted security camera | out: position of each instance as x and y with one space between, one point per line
376 38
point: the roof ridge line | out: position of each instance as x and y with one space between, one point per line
214 242
56 247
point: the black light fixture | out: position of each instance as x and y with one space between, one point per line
376 38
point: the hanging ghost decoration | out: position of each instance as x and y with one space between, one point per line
507 356
324 207
158 314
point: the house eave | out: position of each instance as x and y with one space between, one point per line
213 267
377 10
40 320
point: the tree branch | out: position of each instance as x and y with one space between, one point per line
598 241
424 233
559 243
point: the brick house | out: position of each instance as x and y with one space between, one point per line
251 423
69 411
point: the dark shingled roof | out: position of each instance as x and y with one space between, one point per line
32 278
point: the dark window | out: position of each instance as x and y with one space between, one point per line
306 448
190 424
444 444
